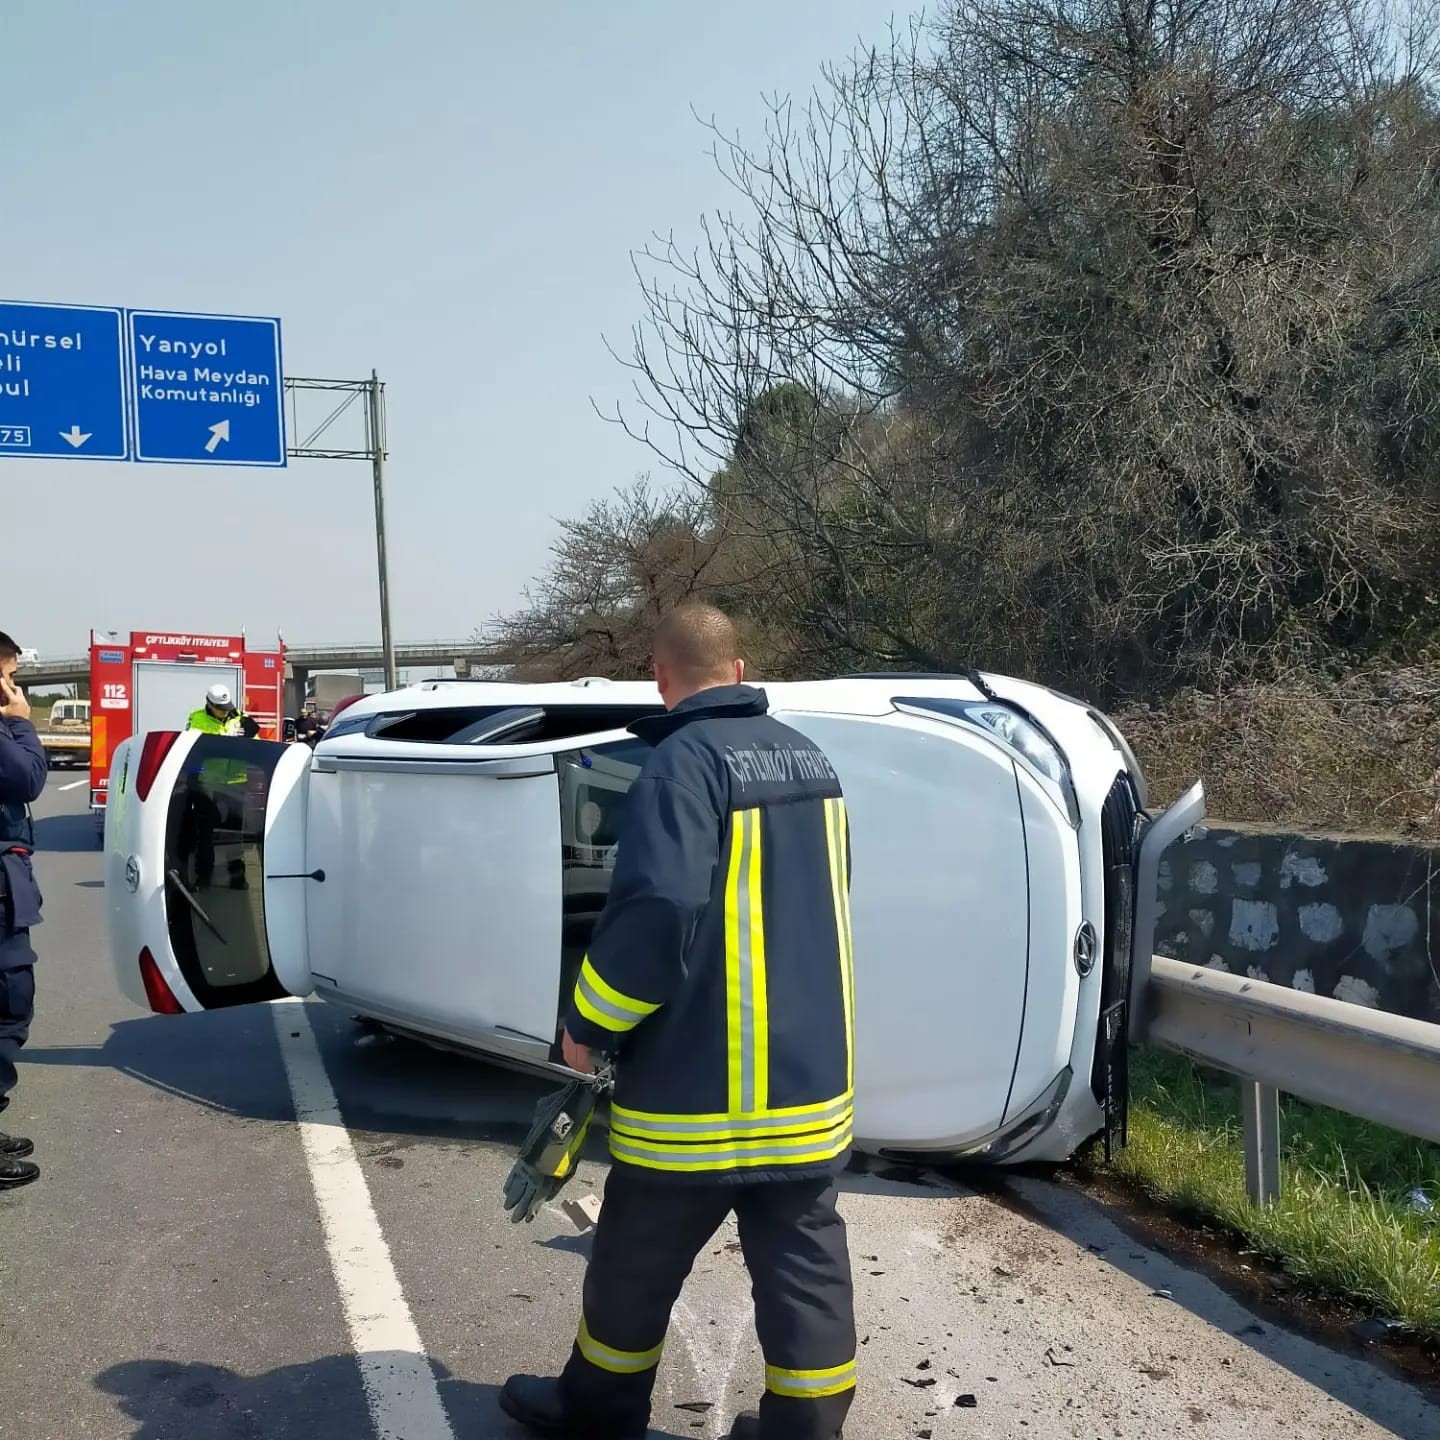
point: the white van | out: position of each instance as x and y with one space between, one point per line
438 861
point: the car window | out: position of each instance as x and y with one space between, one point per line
215 869
594 782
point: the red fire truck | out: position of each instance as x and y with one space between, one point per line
153 680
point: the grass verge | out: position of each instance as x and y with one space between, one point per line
1345 1222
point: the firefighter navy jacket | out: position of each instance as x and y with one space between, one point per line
23 771
720 971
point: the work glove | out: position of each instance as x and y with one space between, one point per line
547 1158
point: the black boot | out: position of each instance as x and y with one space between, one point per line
538 1405
15 1147
15 1173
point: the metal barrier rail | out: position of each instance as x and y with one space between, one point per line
1368 1063
67 669
424 647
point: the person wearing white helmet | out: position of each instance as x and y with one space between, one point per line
218 716
218 794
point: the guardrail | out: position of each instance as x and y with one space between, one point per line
1368 1063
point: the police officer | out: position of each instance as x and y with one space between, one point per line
218 715
23 768
218 799
719 977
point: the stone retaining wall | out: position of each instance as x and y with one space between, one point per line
1356 919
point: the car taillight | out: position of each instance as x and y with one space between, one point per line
157 992
152 756
341 706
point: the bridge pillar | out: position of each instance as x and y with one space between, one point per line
297 681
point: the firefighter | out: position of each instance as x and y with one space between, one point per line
217 793
719 984
23 770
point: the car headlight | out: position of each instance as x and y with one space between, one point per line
1016 731
1021 735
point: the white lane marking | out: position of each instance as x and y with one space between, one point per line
399 1384
73 785
696 1339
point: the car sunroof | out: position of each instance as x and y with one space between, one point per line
502 724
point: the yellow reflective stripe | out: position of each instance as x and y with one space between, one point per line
604 1005
638 1126
617 1362
747 1017
819 1107
759 1001
788 1129
836 837
607 991
734 1154
597 1016
572 1151
810 1384
732 956
849 939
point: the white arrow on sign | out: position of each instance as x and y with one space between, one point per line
75 435
217 434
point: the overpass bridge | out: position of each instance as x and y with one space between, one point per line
303 661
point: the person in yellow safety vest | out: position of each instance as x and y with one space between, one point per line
220 797
218 716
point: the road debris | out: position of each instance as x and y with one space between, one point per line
1377 1327
584 1211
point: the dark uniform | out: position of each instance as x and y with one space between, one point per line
720 972
23 770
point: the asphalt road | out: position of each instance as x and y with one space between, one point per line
177 1274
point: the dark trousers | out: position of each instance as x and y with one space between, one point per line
649 1234
17 1003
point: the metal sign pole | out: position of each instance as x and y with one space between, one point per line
377 446
311 447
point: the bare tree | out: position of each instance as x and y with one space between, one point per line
1092 338
613 573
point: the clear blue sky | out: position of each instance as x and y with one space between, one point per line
447 191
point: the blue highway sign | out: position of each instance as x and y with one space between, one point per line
206 389
62 382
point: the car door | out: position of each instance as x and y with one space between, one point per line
205 881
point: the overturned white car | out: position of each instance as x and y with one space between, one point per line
438 861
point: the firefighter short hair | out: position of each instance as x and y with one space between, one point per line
698 640
9 650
